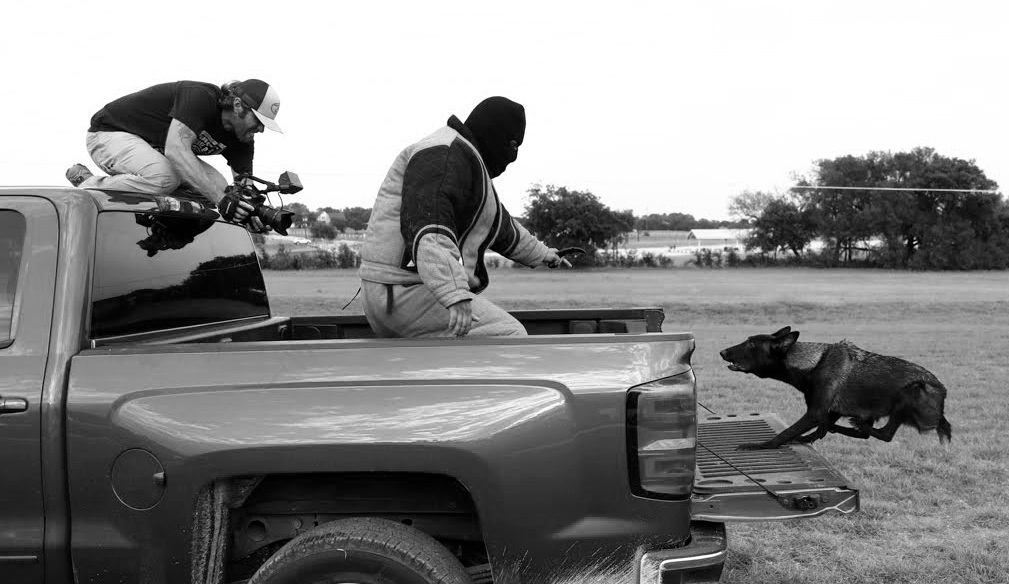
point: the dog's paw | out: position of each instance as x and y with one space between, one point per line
806 439
752 446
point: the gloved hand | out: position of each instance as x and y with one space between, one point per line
233 207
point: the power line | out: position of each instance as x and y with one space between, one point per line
900 189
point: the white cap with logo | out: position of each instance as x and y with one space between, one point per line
263 99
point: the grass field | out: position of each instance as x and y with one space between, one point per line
930 513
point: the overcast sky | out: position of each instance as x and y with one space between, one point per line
654 106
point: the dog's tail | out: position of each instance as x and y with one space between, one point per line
944 430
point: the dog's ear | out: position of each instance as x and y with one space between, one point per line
782 332
785 342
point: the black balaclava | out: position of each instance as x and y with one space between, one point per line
495 122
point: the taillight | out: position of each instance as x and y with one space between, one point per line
662 437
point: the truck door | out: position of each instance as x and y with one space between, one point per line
28 238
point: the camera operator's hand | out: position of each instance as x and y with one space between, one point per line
233 208
255 225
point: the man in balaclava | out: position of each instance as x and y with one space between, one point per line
435 215
498 126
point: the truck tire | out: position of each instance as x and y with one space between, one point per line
362 550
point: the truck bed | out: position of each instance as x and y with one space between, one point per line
355 326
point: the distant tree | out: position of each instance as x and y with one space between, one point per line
625 220
783 225
942 229
301 212
338 220
717 224
357 217
665 222
323 231
680 222
562 218
749 205
921 228
848 218
651 222
346 258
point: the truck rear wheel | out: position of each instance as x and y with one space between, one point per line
362 551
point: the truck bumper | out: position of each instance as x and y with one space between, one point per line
701 560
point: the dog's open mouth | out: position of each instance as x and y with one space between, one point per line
733 367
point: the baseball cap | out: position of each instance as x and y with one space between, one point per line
264 101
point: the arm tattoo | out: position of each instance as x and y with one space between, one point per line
179 150
185 135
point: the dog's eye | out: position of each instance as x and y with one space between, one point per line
749 344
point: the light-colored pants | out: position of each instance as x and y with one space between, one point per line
417 313
134 165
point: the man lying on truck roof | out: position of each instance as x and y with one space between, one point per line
149 141
435 215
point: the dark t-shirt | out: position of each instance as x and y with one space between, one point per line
148 113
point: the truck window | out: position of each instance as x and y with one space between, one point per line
154 273
12 240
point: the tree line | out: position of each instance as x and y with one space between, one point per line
682 222
584 216
910 210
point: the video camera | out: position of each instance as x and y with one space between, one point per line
279 219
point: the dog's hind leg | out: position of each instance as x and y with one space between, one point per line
886 432
861 428
945 431
850 432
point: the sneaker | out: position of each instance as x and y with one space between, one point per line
77 174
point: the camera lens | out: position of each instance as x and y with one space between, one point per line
279 219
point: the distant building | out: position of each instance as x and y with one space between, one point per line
323 217
724 239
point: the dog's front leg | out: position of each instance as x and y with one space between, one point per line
824 426
806 423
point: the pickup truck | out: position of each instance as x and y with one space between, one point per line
159 424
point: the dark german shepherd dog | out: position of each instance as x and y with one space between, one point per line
839 379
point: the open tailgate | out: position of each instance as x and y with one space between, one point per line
789 482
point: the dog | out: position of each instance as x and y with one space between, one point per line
842 380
